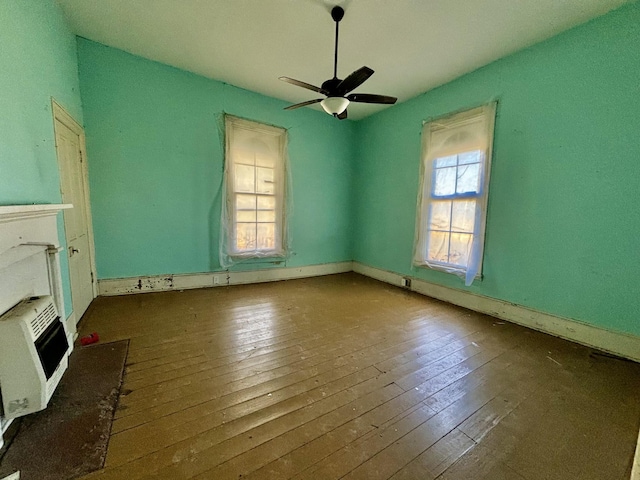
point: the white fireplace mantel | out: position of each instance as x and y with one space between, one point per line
26 230
29 224
19 212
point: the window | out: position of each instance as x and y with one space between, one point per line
255 188
452 202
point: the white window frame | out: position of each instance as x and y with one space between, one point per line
450 136
230 210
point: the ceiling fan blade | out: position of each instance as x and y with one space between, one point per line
343 115
354 80
308 86
370 98
303 104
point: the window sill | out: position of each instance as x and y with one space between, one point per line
444 268
278 257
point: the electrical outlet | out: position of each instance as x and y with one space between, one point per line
216 279
406 282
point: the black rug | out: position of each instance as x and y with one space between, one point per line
70 437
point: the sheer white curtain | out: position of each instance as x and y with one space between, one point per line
452 200
253 215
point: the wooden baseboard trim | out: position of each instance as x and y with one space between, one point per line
623 345
162 283
635 472
4 426
72 333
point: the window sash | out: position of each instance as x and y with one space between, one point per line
246 224
451 235
450 143
456 166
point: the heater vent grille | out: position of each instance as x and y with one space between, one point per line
42 320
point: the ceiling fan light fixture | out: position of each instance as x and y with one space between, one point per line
334 105
337 90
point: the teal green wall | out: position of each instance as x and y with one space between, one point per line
155 167
37 61
563 221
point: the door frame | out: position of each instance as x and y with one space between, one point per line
61 115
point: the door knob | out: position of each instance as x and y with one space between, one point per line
72 251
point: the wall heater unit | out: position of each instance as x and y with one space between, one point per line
34 353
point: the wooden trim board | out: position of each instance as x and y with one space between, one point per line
60 114
621 344
160 283
635 472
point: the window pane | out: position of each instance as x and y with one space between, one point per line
244 179
245 202
266 215
438 247
468 178
440 216
266 203
470 157
266 236
246 216
266 160
255 188
266 180
444 181
460 248
245 236
445 162
463 216
240 154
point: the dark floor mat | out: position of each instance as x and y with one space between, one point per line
70 437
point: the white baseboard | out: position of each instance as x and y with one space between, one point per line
13 476
4 426
161 283
635 472
623 345
72 332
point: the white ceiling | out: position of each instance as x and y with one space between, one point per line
413 45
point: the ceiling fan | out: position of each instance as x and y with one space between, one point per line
337 90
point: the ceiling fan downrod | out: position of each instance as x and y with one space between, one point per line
337 13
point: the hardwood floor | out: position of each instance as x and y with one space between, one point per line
345 377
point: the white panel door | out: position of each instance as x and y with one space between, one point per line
69 144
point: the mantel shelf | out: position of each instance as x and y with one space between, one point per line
10 213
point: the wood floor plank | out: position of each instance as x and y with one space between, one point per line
265 408
280 444
311 453
272 380
437 459
203 421
304 349
178 399
321 448
250 460
345 377
387 378
351 457
479 463
229 441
